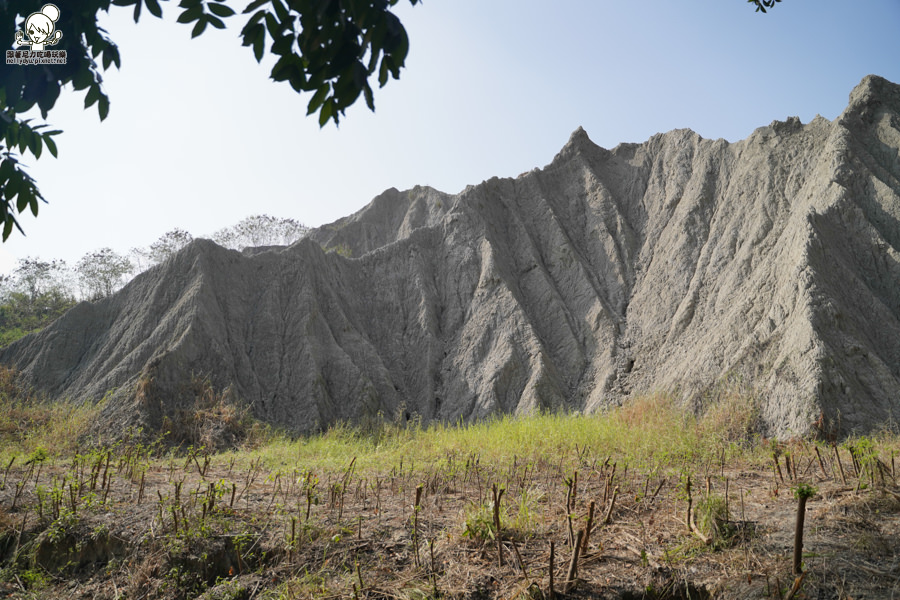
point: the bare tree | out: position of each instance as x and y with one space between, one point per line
34 277
260 230
102 272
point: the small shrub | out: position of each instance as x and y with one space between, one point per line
712 518
526 522
341 249
479 523
33 579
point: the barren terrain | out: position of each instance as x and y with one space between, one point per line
410 515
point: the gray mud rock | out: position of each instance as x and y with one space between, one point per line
671 264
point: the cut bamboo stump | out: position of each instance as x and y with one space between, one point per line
573 564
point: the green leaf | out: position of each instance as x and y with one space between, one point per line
154 8
190 15
137 16
394 65
221 10
7 168
256 18
51 145
259 43
401 49
49 97
383 72
33 204
370 99
215 22
116 58
283 46
248 33
254 5
83 78
11 188
326 113
393 24
12 134
297 79
255 35
280 10
103 107
24 137
92 96
318 99
8 225
36 145
280 71
24 195
359 75
199 27
273 26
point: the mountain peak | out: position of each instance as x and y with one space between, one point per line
578 144
871 92
578 134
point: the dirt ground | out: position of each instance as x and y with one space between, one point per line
187 529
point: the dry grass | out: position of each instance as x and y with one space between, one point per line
28 422
215 420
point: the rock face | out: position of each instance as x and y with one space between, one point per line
671 264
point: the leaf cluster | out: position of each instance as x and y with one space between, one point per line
762 5
23 87
804 491
329 48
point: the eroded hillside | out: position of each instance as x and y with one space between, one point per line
672 264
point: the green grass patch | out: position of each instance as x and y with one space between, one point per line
649 430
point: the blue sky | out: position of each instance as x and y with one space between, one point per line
199 138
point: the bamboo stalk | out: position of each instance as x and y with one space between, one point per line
821 464
612 503
837 456
587 529
573 564
551 593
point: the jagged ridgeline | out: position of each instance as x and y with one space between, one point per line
668 265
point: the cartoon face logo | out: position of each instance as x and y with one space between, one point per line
40 28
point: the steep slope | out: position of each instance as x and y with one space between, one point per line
671 264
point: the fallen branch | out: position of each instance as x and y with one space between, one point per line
703 538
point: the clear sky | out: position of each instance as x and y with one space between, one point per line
198 137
